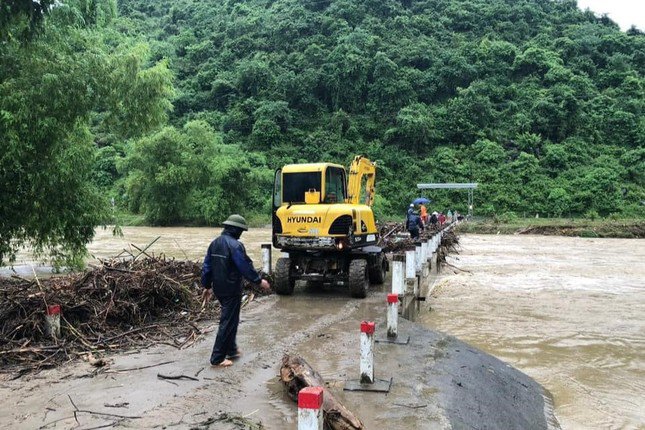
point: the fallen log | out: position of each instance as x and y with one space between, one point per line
296 374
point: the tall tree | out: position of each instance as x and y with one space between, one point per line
50 88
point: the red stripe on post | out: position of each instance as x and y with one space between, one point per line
53 310
310 398
368 327
392 298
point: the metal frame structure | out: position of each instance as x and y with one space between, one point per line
470 186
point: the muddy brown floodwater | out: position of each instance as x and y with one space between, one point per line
570 312
179 242
174 242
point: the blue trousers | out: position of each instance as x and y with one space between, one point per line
228 321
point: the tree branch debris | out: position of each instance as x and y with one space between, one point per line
120 304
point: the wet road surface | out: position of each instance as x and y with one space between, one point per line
438 381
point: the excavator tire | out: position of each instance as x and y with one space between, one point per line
358 278
378 269
283 282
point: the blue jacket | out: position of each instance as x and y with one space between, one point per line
414 222
225 264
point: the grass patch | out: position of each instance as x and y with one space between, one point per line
587 233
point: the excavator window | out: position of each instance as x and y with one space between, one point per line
365 195
334 185
277 189
295 185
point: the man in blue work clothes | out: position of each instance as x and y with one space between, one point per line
225 264
409 212
414 224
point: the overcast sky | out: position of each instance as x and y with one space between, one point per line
624 12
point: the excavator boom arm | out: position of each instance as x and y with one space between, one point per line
361 168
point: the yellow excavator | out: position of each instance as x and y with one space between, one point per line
324 221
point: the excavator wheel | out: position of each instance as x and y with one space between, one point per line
378 269
358 278
283 282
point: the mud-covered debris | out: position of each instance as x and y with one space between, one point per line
227 421
120 304
450 240
393 237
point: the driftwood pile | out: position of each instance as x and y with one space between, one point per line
450 240
120 304
393 237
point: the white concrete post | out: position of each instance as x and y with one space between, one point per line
310 414
419 256
392 315
425 247
266 258
410 264
367 352
52 321
398 275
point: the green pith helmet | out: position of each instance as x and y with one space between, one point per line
236 220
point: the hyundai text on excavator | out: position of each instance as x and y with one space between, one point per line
325 222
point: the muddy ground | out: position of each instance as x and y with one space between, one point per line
438 381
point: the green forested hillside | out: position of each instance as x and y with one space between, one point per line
541 104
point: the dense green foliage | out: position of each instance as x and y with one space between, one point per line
58 91
190 175
541 104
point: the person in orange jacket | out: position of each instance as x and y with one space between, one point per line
424 214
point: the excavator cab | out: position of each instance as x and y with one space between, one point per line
304 183
320 221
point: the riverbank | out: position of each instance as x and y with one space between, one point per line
604 228
573 227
